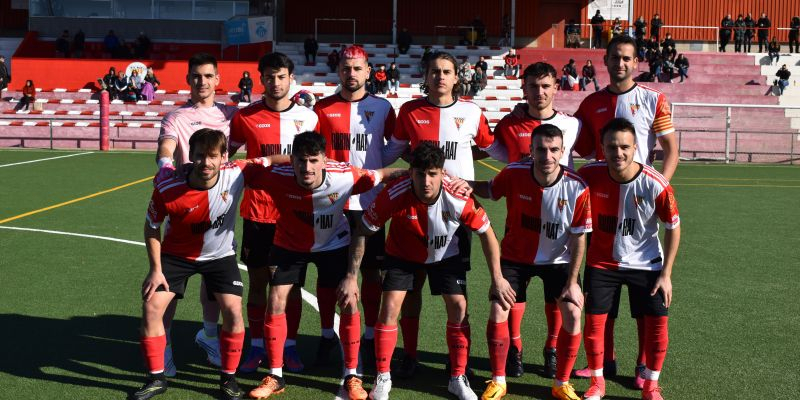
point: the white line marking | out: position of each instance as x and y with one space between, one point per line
45 159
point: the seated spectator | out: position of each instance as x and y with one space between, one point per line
641 48
142 46
136 82
111 42
656 63
122 87
682 64
653 44
783 75
668 66
616 28
381 80
151 77
78 44
245 87
588 74
62 44
148 91
482 63
669 52
403 41
310 48
479 80
774 50
107 82
28 95
667 43
465 77
371 79
512 63
5 77
569 75
333 60
393 74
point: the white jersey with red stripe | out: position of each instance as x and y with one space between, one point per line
625 218
452 127
513 136
647 109
180 124
267 132
355 133
544 216
419 232
312 220
201 223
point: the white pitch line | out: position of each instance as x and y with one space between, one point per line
45 159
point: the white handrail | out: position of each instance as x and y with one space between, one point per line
736 105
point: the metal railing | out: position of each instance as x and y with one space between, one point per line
58 123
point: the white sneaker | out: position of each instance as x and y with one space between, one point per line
169 362
210 345
383 384
459 386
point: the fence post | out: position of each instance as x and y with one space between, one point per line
104 106
51 134
727 135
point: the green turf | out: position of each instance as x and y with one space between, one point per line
69 306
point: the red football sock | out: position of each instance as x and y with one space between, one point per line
255 319
294 310
153 352
410 328
350 335
371 293
274 338
458 345
498 339
515 324
609 353
230 350
326 299
641 357
566 353
656 341
385 342
593 339
553 315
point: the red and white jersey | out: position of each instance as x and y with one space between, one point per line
647 109
201 222
355 132
180 124
541 219
625 218
267 132
420 232
452 127
514 133
312 220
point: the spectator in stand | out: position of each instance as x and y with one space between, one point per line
725 31
393 75
245 87
739 32
750 23
381 80
107 82
5 77
148 91
333 60
465 77
597 30
774 50
122 86
29 95
616 28
403 41
370 84
655 62
641 48
588 74
669 52
482 63
141 46
569 75
423 62
135 82
512 63
78 43
151 77
668 66
783 75
479 80
763 26
62 44
310 46
111 42
682 64
640 28
655 27
572 34
794 35
668 42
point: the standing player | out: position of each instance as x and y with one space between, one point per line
548 205
451 124
628 200
649 111
426 211
173 148
354 124
513 143
268 127
310 195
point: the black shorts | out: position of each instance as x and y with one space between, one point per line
554 277
291 266
257 240
464 235
601 285
375 246
448 276
221 275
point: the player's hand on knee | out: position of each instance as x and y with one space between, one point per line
347 292
572 294
151 284
501 292
664 284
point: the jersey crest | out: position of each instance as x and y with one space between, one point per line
561 203
634 108
368 115
224 196
333 197
298 123
459 121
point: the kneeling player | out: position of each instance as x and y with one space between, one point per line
426 212
628 199
548 205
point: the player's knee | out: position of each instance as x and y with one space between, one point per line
497 314
456 309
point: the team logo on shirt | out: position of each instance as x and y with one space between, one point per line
333 197
224 196
459 121
637 201
561 203
446 216
298 123
368 115
634 108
